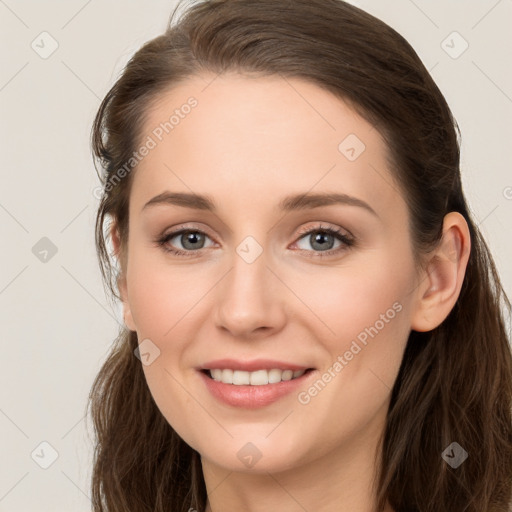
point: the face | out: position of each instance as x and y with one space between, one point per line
266 274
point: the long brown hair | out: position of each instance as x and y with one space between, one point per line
455 382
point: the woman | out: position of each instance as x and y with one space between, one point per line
313 319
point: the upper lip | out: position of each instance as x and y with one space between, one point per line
250 366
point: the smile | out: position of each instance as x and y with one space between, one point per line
254 389
255 378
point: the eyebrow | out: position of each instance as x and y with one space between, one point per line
289 203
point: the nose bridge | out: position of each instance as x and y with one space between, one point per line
248 298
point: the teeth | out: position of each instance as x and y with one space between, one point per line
257 378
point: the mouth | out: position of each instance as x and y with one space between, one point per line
254 389
260 377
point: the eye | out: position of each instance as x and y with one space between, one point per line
321 239
191 240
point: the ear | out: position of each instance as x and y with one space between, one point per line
441 283
119 253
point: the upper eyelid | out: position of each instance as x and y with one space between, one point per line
329 227
182 228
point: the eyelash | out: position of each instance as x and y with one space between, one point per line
348 241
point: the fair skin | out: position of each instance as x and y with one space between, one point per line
249 143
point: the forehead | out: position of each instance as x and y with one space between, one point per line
243 139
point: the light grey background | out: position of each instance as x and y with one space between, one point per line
56 323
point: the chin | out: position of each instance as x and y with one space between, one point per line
256 457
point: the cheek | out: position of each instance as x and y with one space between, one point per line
363 328
345 301
160 295
162 300
361 316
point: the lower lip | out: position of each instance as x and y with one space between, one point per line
252 397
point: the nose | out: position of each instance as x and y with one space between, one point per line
250 299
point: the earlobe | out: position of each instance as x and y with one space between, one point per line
440 286
116 241
121 280
127 313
